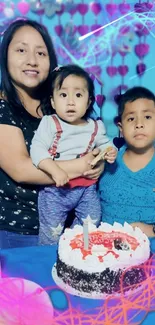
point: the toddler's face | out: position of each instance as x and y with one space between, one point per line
138 123
71 101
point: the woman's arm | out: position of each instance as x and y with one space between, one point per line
15 160
82 166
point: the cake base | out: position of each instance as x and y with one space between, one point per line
92 295
106 282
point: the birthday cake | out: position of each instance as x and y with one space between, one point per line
115 256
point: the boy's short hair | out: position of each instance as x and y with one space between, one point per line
131 95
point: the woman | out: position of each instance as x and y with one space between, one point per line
27 59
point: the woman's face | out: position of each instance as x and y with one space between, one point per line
28 59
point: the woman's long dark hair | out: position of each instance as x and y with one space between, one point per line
7 87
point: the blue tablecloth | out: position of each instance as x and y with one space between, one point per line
35 264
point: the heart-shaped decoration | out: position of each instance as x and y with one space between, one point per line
142 49
149 5
73 10
141 30
100 99
111 8
95 27
82 8
83 29
124 8
58 30
140 68
118 142
123 70
23 7
111 70
95 7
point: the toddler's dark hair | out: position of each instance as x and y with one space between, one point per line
61 73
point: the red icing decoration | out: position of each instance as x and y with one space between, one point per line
85 253
107 243
116 255
100 258
102 238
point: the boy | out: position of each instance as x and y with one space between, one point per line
127 189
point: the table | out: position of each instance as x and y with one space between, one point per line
35 264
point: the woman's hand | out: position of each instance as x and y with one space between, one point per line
60 177
50 167
96 172
144 227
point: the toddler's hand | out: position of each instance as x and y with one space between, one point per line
111 155
60 178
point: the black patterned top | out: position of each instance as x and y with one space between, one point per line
18 202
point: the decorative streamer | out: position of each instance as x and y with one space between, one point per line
83 8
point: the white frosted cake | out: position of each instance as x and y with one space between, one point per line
111 251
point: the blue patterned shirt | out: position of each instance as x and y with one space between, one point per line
126 195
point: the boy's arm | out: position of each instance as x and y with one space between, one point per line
146 228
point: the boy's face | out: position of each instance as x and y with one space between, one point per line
138 123
71 101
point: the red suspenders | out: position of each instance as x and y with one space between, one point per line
93 135
53 149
